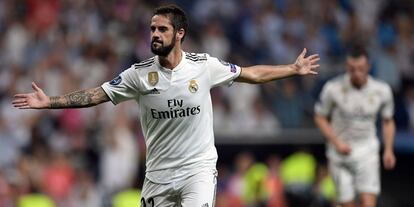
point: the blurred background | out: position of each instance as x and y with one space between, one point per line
270 153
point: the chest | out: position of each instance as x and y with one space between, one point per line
174 89
356 103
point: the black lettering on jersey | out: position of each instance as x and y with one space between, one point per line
145 63
164 114
195 110
175 113
150 202
181 113
196 57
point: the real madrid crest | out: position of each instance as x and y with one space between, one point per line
153 78
193 86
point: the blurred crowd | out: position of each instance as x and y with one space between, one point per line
82 157
296 180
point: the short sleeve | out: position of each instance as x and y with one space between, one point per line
124 87
325 102
387 109
221 72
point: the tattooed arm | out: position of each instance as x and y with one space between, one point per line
79 99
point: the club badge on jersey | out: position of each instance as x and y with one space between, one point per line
232 66
153 78
116 81
193 86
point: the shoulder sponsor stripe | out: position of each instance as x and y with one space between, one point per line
147 61
195 59
191 58
191 55
143 66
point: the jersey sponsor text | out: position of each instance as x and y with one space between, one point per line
175 113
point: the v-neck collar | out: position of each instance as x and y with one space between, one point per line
349 83
177 68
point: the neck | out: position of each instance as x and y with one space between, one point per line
171 60
359 85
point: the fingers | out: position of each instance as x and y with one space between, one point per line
35 87
20 96
303 53
313 72
18 101
314 56
21 104
314 61
389 165
315 66
312 69
389 162
346 150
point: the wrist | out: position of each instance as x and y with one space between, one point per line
49 102
293 69
388 151
337 142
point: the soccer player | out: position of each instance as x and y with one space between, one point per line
172 90
346 114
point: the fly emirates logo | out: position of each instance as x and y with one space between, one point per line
175 112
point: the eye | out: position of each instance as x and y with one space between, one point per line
152 28
162 29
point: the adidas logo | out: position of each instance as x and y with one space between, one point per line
154 91
205 205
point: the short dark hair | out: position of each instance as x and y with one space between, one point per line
176 15
356 51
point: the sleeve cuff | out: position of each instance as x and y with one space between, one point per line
238 73
108 93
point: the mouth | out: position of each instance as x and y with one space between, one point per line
156 42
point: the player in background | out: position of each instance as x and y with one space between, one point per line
172 90
346 114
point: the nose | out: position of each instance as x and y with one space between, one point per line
156 34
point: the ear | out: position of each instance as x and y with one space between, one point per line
180 34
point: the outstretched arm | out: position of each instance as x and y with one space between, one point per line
266 73
79 99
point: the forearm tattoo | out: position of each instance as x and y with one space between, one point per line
79 99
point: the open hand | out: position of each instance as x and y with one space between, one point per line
36 100
305 66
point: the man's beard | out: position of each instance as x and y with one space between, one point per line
162 50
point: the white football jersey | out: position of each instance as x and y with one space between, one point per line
353 112
175 111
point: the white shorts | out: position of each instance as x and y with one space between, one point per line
356 176
196 191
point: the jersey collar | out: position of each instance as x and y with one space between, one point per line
177 68
349 84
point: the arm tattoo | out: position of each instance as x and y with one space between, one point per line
79 99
